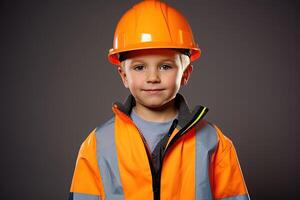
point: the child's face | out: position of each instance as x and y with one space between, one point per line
154 76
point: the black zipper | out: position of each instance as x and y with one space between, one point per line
153 173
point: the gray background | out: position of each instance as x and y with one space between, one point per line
57 85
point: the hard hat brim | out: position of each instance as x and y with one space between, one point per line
113 55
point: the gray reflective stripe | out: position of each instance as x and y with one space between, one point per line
239 197
80 196
206 141
108 161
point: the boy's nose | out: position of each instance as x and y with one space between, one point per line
153 76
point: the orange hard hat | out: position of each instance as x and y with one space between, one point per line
152 24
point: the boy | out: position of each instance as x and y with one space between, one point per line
155 147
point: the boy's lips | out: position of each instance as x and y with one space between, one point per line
153 91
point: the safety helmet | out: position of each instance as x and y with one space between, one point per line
152 24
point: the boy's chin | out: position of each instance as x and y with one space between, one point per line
157 106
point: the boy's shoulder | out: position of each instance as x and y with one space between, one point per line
211 135
106 127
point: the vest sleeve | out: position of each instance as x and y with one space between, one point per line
86 182
227 178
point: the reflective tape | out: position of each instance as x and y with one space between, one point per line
80 196
206 142
238 197
108 161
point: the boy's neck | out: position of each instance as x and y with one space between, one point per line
162 114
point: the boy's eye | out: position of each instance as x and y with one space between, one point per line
165 67
138 67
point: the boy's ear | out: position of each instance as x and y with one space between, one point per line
123 76
186 74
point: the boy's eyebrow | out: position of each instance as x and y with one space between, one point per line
136 61
168 60
164 60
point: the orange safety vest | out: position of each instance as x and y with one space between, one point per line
193 161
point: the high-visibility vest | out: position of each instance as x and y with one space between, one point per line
193 161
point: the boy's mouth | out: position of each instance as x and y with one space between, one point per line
153 91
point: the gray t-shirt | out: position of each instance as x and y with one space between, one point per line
153 132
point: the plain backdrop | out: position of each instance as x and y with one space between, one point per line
57 85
